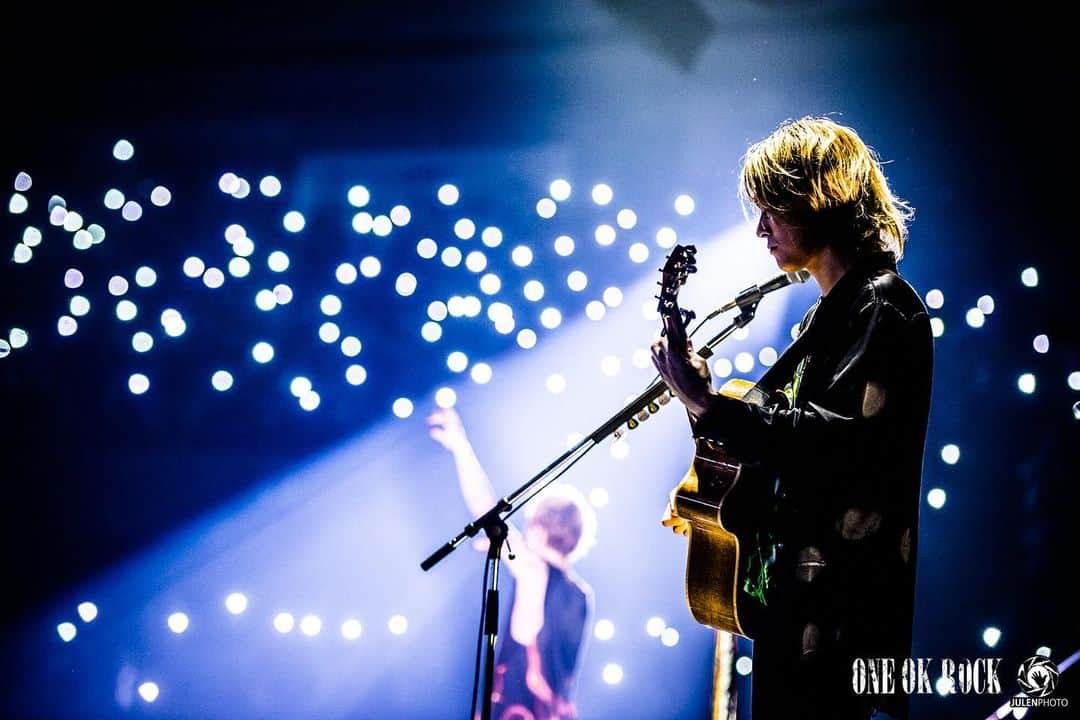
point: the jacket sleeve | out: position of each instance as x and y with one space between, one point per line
870 393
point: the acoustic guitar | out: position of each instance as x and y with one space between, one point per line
719 504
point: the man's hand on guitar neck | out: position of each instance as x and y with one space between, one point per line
682 369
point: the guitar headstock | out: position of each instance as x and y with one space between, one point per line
680 263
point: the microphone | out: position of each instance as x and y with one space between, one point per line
754 293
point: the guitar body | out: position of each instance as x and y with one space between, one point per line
722 509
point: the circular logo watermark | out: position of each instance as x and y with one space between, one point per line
1038 676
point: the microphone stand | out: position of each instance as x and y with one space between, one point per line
493 522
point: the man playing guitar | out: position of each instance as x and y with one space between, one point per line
839 442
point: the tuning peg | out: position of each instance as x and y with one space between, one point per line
643 415
632 423
653 407
665 398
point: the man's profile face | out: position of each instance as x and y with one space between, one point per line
786 242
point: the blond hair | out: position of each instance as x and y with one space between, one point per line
817 174
568 519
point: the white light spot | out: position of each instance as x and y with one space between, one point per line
329 332
214 278
522 256
138 384
1030 277
262 352
744 665
66 325
350 346
1019 713
975 317
550 318
160 196
398 624
97 233
490 284
265 300
228 183
990 636
174 325
400 215
598 497
22 254
641 358
986 304
476 261
950 454
270 186
284 622
1026 383
533 290
362 222
132 211
604 630
559 189
142 341
526 338
1043 651
491 236
299 386
123 150
57 215
370 266
595 310
243 247
577 280
18 338
604 234
448 194
23 182
666 237
31 236
88 611
935 299
145 277
655 626
722 367
555 383
178 622
457 361
767 356
639 252
564 245
937 327
610 365
114 199
67 631
684 204
436 310
82 240
381 225
194 267
18 204
1073 379
620 449
236 603
936 498
73 221
359 196
464 228
602 194
944 685
612 673
293 221
431 331
481 373
445 397
221 380
311 625
405 284
126 310
355 374
626 219
278 261
403 407
744 362
351 629
330 305
149 691
451 256
1041 343
545 208
243 189
670 637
